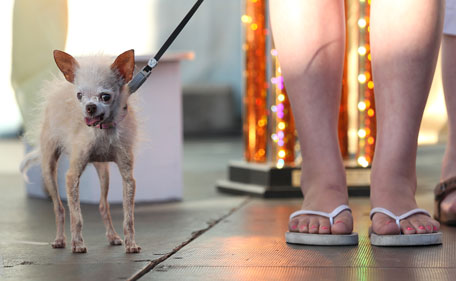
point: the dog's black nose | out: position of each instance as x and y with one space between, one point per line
91 108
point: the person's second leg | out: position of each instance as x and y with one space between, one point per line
405 37
448 205
310 40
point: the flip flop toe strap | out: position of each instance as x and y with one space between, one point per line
331 215
398 218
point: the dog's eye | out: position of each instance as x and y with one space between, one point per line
105 97
79 96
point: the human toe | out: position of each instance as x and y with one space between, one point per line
325 227
448 204
407 227
343 224
421 223
435 226
419 226
384 225
303 225
293 225
314 225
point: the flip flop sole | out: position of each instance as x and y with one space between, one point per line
321 239
406 240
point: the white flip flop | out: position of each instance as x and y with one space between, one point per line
403 239
322 239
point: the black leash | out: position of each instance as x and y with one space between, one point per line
141 76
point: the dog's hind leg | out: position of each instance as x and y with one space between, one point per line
125 163
49 159
78 162
103 174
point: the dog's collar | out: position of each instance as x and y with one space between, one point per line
111 124
107 125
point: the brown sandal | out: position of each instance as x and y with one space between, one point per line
440 192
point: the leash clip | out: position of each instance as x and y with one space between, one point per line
152 63
142 76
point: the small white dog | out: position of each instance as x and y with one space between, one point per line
88 117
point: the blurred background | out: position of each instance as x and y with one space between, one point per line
189 157
212 81
111 27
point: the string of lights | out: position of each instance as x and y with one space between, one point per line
283 127
366 104
255 100
343 107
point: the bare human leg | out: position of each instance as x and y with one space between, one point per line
448 205
405 37
310 39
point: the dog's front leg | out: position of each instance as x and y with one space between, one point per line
125 163
78 162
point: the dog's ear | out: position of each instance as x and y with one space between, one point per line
124 65
66 63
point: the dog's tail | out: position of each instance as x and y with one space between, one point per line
31 159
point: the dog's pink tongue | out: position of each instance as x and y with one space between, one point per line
91 121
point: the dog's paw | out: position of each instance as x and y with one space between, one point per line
79 247
58 243
115 240
132 248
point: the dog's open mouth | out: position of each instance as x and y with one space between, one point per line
94 121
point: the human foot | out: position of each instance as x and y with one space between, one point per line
447 205
384 194
323 200
445 201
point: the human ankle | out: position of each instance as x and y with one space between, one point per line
327 179
325 199
326 188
